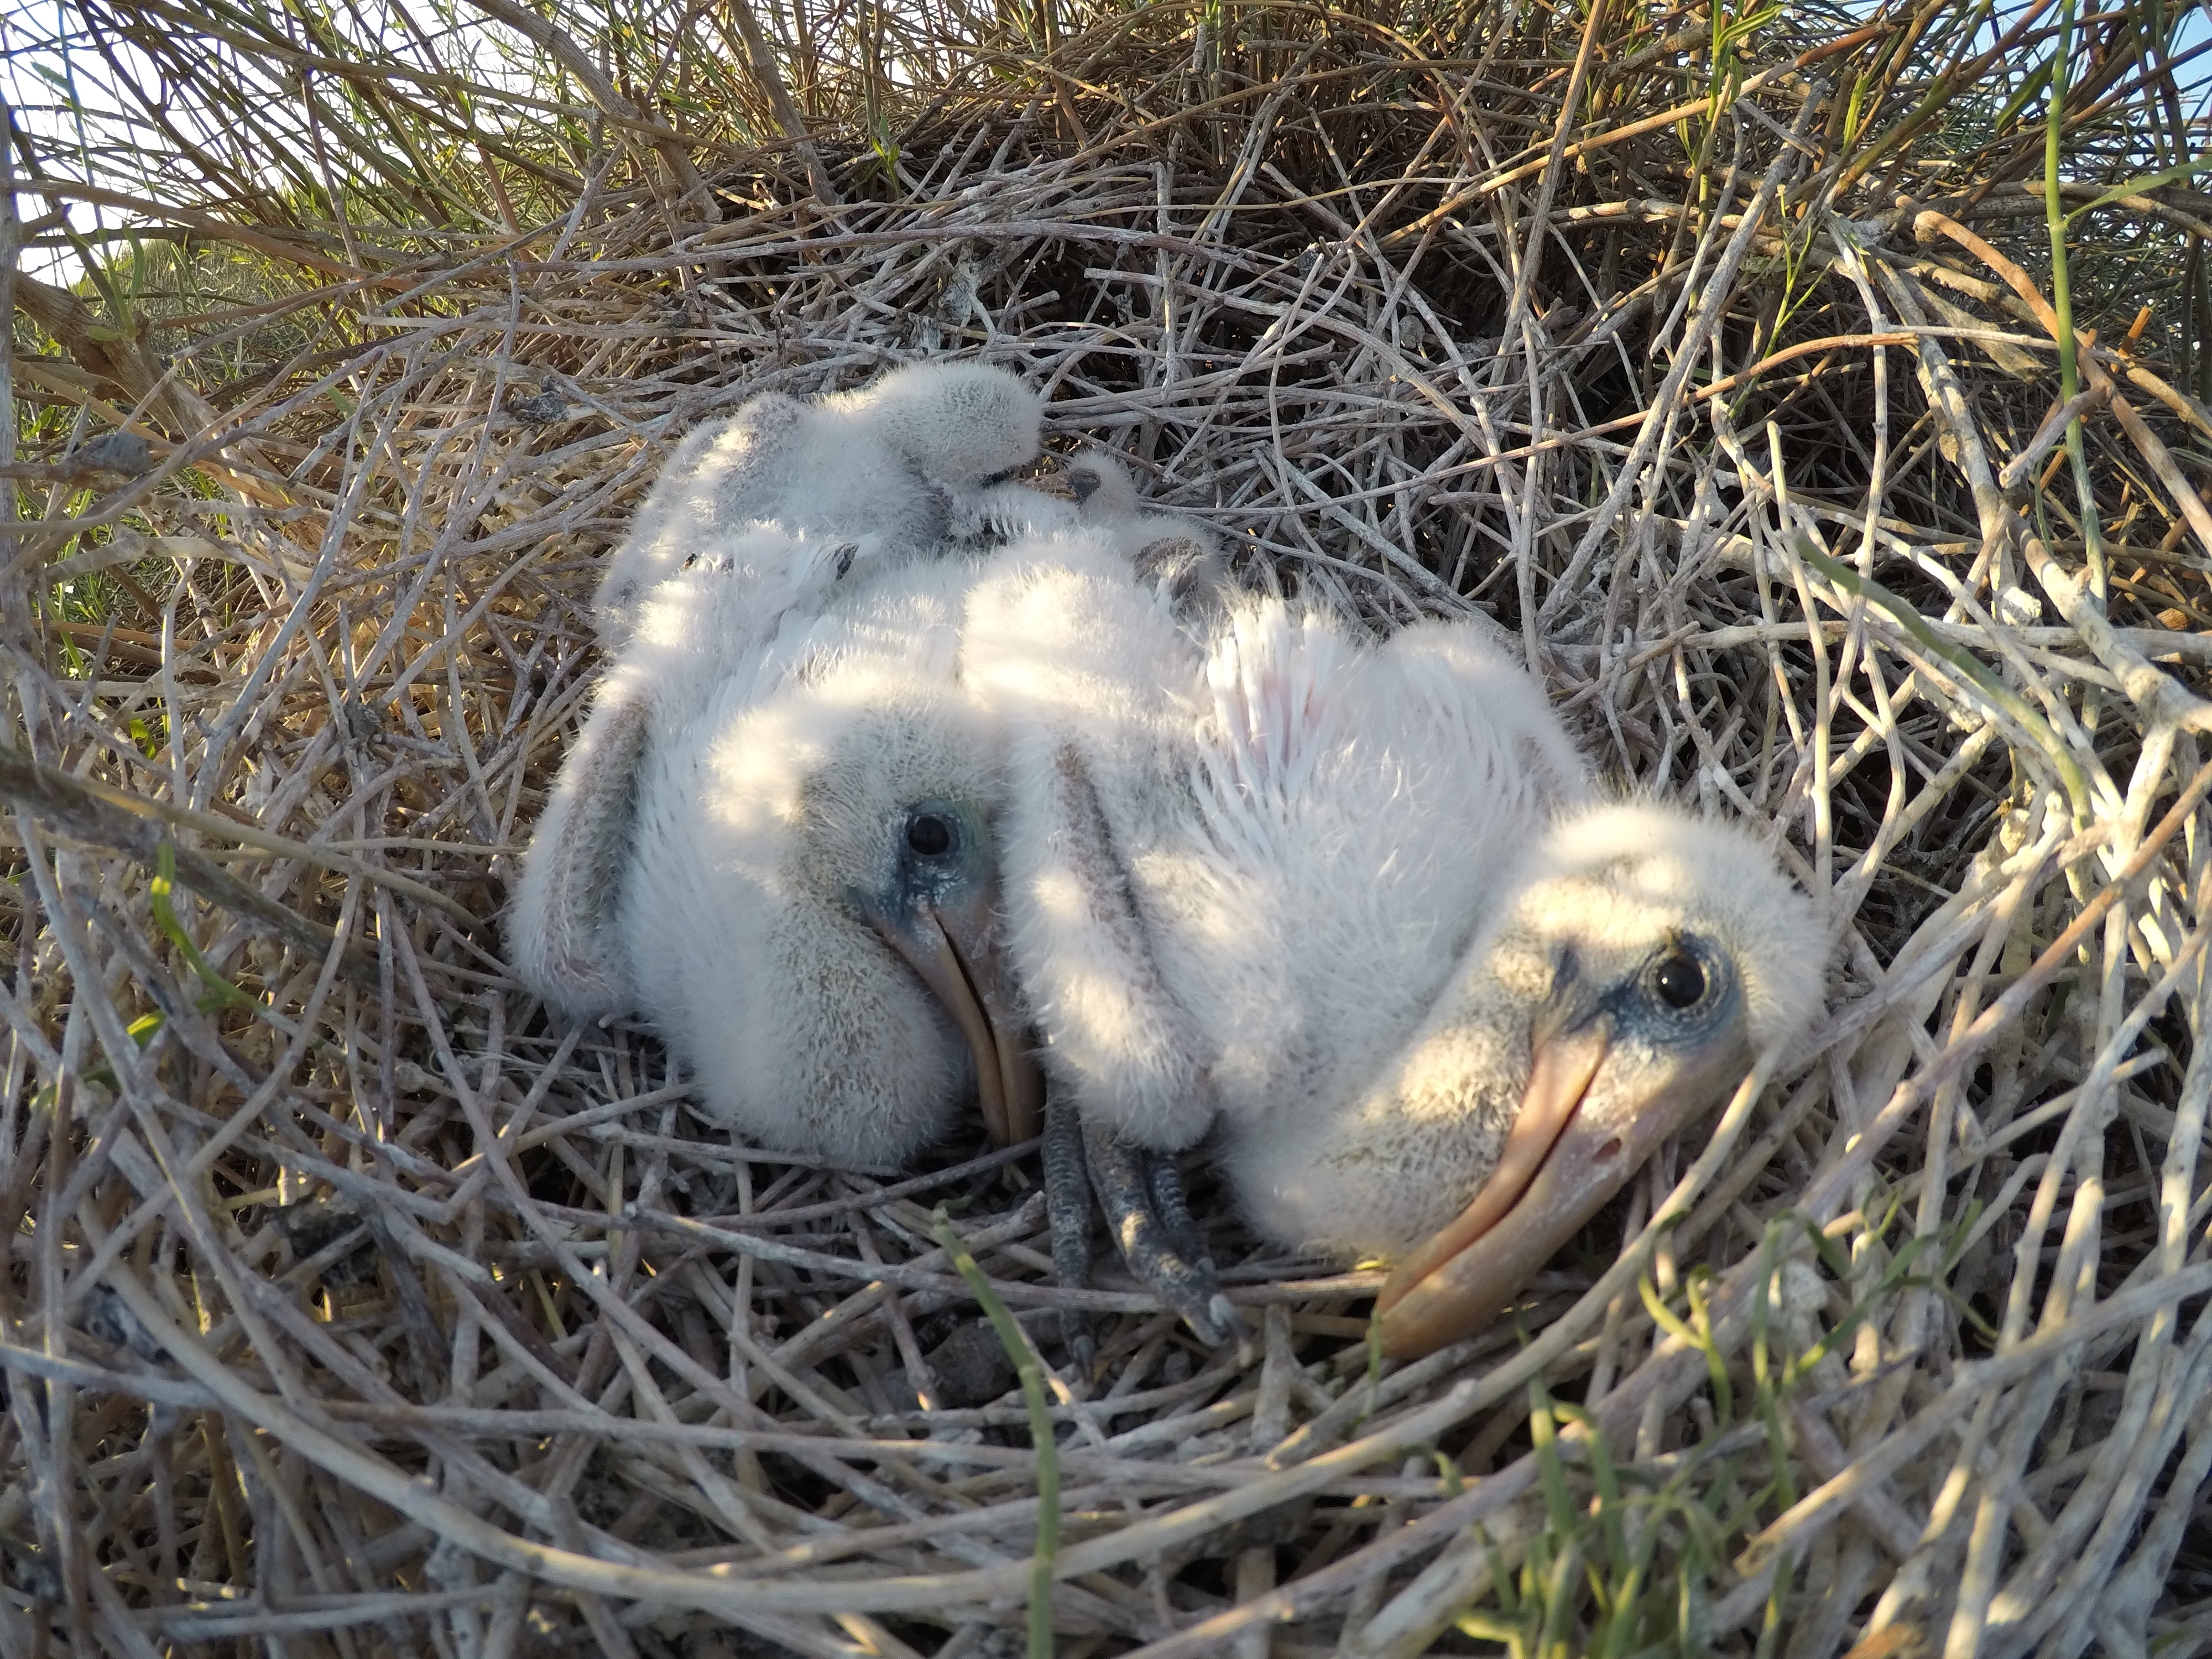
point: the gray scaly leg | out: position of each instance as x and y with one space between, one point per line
1119 1174
1068 1214
1164 1180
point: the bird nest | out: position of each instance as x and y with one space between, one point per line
357 1306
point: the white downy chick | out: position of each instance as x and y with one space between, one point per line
783 855
895 468
1259 892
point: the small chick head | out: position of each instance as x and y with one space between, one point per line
960 423
814 920
1104 490
1647 960
1636 963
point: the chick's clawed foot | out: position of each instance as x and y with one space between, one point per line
1142 1196
1142 1193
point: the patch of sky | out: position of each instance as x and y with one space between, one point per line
112 129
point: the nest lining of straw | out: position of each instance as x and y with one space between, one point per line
358 1308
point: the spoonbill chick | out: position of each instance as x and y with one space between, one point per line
1241 867
783 854
893 467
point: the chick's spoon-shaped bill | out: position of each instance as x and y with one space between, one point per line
938 910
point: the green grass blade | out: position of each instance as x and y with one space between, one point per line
1843 577
1031 1377
221 993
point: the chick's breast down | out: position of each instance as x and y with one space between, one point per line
1326 898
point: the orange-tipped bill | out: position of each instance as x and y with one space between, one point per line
1594 1109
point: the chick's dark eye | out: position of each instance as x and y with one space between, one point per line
1680 981
928 834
